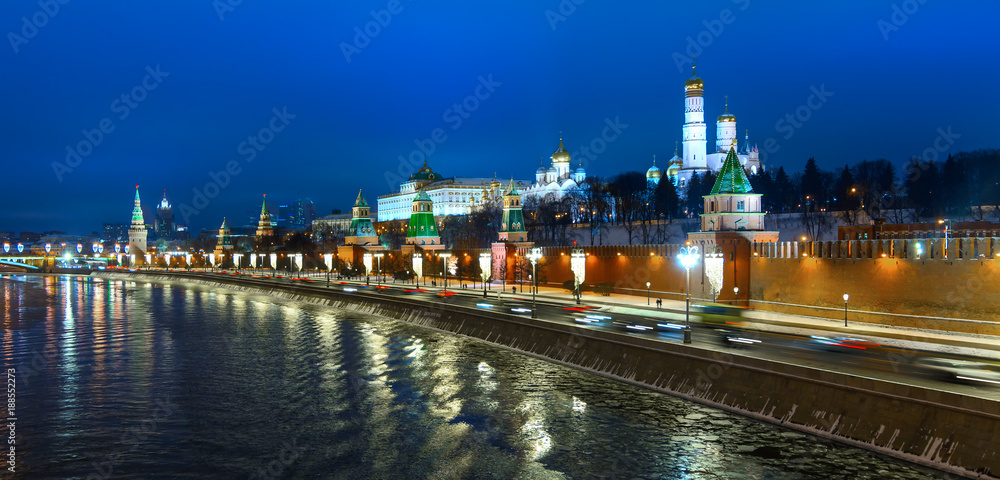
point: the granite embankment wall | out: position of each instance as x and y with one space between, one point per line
948 431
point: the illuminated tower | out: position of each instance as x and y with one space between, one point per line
725 130
732 205
264 225
422 230
695 141
137 231
512 226
224 245
362 232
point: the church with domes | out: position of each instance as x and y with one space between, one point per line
557 180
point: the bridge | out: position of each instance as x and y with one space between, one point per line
16 262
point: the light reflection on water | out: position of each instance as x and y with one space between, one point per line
159 381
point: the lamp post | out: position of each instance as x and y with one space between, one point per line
418 267
578 260
536 253
947 228
366 259
846 296
688 257
485 268
736 295
647 294
444 263
378 268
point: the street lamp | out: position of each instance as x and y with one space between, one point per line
378 268
736 295
485 268
846 296
578 261
947 228
536 253
688 257
647 294
444 263
418 267
366 259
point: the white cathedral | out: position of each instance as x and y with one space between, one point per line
557 180
695 156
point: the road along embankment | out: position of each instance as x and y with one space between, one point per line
943 430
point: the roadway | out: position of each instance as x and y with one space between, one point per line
867 356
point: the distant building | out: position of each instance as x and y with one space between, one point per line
422 230
881 230
164 226
297 215
32 237
450 196
6 236
361 231
116 232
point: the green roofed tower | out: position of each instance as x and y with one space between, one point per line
422 230
137 232
512 225
732 205
362 232
264 227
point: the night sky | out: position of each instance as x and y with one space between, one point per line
204 76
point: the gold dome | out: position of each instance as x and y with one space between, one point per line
727 117
695 82
560 155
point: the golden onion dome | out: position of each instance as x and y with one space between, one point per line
560 155
654 172
727 117
695 82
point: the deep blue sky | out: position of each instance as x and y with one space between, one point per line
940 68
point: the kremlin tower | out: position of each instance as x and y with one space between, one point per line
137 231
264 225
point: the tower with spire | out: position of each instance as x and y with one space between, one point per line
732 205
422 230
224 244
695 139
164 226
512 227
137 231
362 232
264 228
